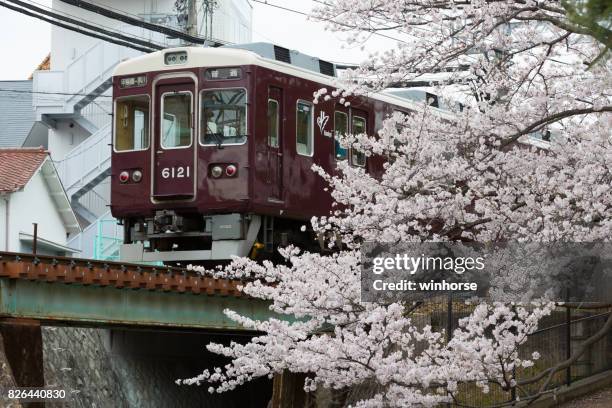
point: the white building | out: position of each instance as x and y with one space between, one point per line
30 192
73 98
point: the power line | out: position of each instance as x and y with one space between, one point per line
19 91
109 7
413 83
390 28
344 66
78 30
134 21
86 25
324 19
408 84
95 24
139 18
383 22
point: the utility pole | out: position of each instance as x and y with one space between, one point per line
192 18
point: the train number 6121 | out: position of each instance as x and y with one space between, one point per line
175 172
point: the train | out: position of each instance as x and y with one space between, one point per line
213 148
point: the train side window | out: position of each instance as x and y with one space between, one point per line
131 123
359 127
340 128
176 126
273 123
304 129
223 119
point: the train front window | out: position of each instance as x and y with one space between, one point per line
304 129
223 119
176 123
132 123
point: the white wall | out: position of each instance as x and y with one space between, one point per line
3 207
67 45
63 138
34 204
232 21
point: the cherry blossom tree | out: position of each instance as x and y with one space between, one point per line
522 69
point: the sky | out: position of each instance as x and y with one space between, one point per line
294 31
25 41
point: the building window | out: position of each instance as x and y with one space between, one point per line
132 123
176 126
273 125
340 129
304 129
224 117
359 127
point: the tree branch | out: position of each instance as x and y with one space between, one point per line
550 119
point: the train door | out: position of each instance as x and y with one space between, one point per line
274 143
175 139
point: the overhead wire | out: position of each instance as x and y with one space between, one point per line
139 18
414 83
134 21
144 43
75 29
324 19
96 24
86 25
110 7
348 26
21 91
403 32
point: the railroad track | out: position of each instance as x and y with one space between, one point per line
121 275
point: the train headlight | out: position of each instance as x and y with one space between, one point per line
216 171
231 170
124 176
174 58
136 176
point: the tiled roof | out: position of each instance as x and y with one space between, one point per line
17 166
16 112
45 65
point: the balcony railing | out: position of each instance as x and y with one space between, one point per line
99 240
99 112
87 161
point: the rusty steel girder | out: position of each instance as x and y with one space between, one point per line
113 274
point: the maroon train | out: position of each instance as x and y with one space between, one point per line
213 148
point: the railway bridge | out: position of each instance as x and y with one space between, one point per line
142 305
57 290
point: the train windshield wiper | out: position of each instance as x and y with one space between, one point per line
219 138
